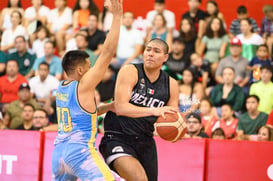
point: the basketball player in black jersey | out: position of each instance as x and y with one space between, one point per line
143 92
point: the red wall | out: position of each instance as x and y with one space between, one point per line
140 7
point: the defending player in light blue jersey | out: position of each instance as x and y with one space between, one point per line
75 155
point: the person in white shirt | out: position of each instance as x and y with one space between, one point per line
37 12
59 22
9 35
39 43
43 84
130 42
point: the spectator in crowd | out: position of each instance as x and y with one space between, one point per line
228 122
59 21
3 60
228 92
194 126
50 107
190 91
208 115
130 42
270 119
160 31
5 18
188 34
218 134
12 118
214 42
38 44
10 83
81 12
177 60
202 70
159 8
197 16
260 59
24 58
264 90
235 27
267 27
37 12
105 20
55 64
265 133
41 121
252 120
42 84
213 11
10 34
82 44
96 37
27 116
106 87
236 61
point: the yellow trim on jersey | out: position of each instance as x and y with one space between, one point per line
105 171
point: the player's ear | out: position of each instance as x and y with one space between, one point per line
166 57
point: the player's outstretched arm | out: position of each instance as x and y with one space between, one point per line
127 79
174 94
95 74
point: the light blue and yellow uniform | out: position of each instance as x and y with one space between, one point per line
75 155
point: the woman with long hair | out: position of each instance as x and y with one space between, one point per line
213 11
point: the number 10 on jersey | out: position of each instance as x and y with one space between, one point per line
63 116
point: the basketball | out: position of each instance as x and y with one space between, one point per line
173 128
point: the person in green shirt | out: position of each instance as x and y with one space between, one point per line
264 89
253 119
3 60
22 56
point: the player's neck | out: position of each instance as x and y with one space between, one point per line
152 74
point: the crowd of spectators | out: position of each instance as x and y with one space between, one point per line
224 71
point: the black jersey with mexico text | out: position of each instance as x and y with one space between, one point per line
144 94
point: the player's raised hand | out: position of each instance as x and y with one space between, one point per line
114 6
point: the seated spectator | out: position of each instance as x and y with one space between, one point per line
197 16
3 60
42 84
59 21
228 122
252 120
218 134
208 116
249 39
214 42
202 70
194 126
259 60
5 18
10 34
130 42
10 83
188 34
213 11
55 63
177 60
267 28
265 133
81 12
264 90
41 122
237 62
105 20
106 87
96 37
235 27
82 44
160 31
228 92
38 44
190 92
50 107
23 57
269 121
27 116
12 118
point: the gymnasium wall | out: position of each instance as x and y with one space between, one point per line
141 7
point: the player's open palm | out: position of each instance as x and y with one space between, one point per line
114 6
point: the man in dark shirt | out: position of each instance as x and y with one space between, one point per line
27 116
194 126
95 37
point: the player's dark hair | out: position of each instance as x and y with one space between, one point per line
161 42
253 96
241 9
72 59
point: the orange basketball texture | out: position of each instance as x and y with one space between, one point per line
173 128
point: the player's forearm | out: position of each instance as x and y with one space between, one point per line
105 107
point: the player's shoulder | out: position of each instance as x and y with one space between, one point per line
173 82
130 68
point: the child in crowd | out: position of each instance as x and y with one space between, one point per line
38 44
218 134
260 59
